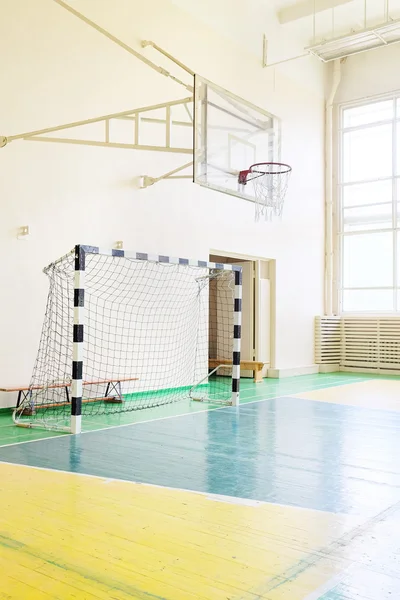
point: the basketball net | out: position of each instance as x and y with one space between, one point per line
270 182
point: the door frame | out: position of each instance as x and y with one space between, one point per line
272 280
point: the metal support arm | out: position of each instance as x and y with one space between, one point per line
147 181
122 44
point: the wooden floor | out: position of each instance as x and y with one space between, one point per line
290 498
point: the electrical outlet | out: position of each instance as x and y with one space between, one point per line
23 232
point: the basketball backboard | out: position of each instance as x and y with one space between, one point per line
230 134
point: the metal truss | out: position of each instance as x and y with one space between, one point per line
137 116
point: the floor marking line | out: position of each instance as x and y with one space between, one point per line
50 437
208 495
286 395
198 412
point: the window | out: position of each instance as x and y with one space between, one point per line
369 200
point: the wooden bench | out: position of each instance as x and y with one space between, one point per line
246 365
113 386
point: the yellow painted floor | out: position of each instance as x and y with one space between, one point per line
72 536
376 393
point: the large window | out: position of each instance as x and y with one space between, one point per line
369 195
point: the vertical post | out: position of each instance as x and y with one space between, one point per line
202 152
168 123
137 125
78 336
264 51
314 16
237 334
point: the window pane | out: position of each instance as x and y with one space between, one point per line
397 196
367 300
367 193
398 148
368 260
369 113
367 153
368 217
398 260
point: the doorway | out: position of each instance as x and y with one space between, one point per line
257 308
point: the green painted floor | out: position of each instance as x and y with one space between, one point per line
250 392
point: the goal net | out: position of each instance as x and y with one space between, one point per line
124 331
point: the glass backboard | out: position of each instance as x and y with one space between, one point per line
230 135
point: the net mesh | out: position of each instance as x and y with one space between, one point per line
152 331
270 182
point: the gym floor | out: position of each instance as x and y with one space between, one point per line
294 495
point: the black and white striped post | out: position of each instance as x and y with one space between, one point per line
78 338
237 332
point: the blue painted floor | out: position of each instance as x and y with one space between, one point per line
289 451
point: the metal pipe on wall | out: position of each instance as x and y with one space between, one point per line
328 280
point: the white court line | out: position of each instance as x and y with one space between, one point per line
127 424
179 415
208 495
50 437
286 395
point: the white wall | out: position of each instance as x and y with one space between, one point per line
370 74
54 70
245 25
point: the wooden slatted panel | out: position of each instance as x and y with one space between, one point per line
360 342
327 340
371 343
389 343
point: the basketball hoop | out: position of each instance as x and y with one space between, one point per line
270 181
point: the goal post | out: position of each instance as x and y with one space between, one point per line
78 338
125 331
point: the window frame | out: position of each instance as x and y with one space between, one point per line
339 233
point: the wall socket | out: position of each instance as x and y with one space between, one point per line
119 245
23 232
